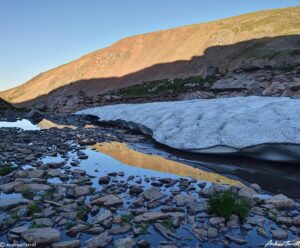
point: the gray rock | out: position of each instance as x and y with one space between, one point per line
108 201
192 126
284 220
8 203
125 243
181 200
150 216
101 240
41 236
82 190
106 214
33 187
279 234
67 244
281 201
153 194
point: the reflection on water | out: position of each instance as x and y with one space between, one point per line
124 154
46 124
23 124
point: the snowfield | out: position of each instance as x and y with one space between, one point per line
262 127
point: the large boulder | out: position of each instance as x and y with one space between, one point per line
41 236
262 127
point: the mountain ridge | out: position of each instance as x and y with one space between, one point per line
108 67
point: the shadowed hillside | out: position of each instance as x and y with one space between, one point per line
200 49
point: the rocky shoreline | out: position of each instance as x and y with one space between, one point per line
59 204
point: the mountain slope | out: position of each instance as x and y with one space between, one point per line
261 38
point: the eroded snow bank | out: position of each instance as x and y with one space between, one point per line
263 127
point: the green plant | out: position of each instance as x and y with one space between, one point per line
168 224
14 215
2 147
28 194
226 203
6 169
70 225
126 218
82 212
33 208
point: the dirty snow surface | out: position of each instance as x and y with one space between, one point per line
263 127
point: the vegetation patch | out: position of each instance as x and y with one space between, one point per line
226 203
6 169
164 86
33 208
126 218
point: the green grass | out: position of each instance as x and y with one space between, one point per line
168 224
33 208
82 212
2 148
69 225
126 218
6 169
224 204
28 194
160 87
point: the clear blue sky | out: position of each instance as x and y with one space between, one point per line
37 35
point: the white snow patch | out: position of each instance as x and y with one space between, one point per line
263 127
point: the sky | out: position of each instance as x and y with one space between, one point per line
37 35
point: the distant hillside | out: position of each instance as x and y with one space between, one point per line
256 39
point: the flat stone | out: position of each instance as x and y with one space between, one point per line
101 240
212 232
82 190
284 220
150 216
19 230
41 236
33 187
108 201
8 187
153 194
125 243
8 203
281 201
279 234
181 200
216 221
67 244
106 214
236 240
296 221
77 229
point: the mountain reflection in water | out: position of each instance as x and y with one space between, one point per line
124 154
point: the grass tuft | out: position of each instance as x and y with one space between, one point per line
226 203
6 169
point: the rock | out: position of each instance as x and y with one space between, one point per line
108 201
82 190
35 173
296 221
104 180
19 230
216 221
241 125
120 229
142 243
73 231
281 201
212 232
8 187
67 244
41 236
255 187
8 203
153 194
106 214
32 187
181 200
236 240
125 243
35 115
44 222
150 216
40 106
279 234
101 240
284 221
246 193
